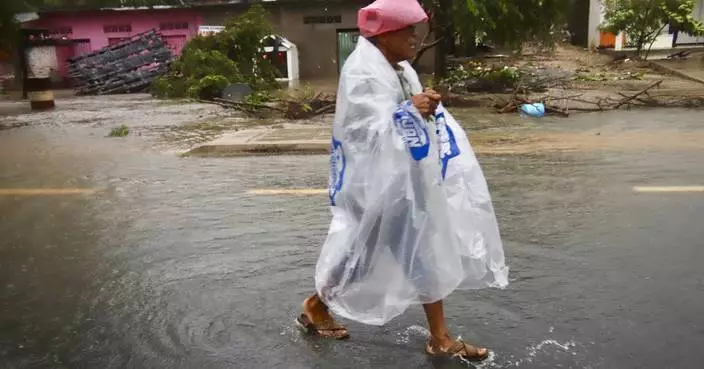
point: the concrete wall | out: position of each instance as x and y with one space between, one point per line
42 62
596 16
663 41
89 24
317 43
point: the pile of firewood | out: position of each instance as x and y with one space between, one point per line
129 66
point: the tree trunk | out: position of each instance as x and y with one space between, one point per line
442 27
468 47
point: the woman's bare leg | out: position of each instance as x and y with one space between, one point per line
317 315
440 333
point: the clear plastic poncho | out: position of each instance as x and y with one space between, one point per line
412 214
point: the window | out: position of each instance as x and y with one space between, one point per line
117 40
322 19
117 28
173 25
61 31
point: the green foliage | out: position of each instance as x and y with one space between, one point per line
241 42
644 20
208 87
121 131
504 22
475 76
232 55
165 87
305 92
196 63
259 97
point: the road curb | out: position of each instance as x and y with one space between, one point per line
261 148
666 69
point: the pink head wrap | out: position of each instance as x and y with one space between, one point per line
384 16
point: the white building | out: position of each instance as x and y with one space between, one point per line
666 40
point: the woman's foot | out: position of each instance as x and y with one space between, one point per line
316 319
455 348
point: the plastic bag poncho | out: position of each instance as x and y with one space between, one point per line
412 215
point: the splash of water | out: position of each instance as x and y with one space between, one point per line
532 351
412 331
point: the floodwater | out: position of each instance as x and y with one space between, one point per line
172 264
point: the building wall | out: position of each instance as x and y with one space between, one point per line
90 25
663 41
316 42
596 17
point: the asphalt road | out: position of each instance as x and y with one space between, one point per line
115 255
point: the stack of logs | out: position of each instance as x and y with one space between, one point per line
129 66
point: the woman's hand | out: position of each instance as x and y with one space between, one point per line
426 102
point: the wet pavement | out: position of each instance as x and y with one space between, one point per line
172 264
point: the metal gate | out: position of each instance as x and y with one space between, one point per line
346 42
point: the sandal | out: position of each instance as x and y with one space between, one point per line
458 349
326 329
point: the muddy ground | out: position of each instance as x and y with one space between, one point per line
579 78
181 124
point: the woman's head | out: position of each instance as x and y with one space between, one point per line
390 24
399 45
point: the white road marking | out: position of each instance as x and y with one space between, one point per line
46 191
668 189
287 191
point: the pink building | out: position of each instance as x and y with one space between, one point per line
92 30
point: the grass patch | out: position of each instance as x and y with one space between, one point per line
121 131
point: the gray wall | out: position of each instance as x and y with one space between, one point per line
317 43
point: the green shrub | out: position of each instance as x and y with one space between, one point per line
209 87
477 76
165 87
232 55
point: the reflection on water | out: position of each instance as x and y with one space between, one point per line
172 265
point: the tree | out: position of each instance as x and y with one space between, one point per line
644 20
458 25
208 64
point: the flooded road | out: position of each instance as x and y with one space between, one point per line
170 263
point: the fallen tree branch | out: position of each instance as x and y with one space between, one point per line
325 109
425 45
629 99
245 105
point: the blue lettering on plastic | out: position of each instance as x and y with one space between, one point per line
414 132
337 169
447 142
